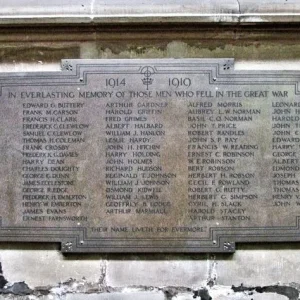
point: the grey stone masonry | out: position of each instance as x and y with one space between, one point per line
118 296
178 11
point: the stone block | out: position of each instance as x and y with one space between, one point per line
253 265
170 271
45 265
118 296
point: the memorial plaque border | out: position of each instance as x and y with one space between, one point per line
219 72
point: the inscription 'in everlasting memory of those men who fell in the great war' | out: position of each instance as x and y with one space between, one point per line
150 155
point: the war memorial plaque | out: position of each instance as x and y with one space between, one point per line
184 155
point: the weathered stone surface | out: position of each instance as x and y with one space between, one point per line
127 295
44 265
38 55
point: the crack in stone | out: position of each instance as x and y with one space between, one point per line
239 17
239 6
212 271
103 271
3 281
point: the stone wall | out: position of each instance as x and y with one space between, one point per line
254 271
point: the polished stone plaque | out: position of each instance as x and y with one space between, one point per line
178 155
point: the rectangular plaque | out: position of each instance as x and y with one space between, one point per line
184 155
